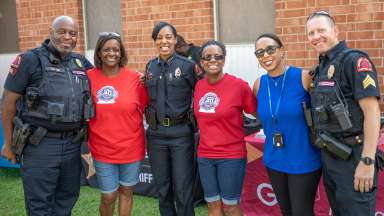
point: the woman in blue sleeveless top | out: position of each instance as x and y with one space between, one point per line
292 162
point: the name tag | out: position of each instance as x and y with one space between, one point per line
327 83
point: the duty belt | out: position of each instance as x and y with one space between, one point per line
60 135
168 122
354 140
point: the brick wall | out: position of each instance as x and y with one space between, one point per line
360 23
193 19
34 18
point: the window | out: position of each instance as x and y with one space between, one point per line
9 42
101 16
241 21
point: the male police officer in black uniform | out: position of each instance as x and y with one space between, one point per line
45 103
346 117
170 80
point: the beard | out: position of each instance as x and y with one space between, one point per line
62 49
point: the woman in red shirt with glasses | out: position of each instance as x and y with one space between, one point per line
219 102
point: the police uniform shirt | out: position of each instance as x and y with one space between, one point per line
170 87
25 70
358 78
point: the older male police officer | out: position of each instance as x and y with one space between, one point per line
45 103
346 117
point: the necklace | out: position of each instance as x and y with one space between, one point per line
276 80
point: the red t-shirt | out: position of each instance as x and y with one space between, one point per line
218 108
116 133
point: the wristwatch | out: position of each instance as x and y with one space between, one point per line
367 160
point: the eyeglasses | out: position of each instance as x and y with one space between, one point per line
320 13
214 57
103 34
270 50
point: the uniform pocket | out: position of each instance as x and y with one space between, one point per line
178 89
151 88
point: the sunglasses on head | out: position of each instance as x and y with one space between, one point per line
103 34
270 50
320 13
215 57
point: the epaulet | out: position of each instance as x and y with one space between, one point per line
77 55
338 61
346 52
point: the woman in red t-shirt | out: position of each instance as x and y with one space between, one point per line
116 133
219 102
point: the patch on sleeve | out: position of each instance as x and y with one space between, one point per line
15 65
364 65
368 81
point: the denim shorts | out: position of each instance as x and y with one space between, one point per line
111 176
222 179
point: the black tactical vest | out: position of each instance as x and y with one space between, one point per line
327 98
59 99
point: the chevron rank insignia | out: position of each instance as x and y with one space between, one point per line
364 65
368 81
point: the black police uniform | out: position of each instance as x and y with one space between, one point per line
339 82
170 86
53 93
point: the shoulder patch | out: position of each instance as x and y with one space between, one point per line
15 65
363 65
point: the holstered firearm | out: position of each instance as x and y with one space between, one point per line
20 136
332 145
150 116
192 120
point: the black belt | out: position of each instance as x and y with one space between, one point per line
62 134
168 122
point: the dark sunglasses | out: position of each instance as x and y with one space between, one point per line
320 13
103 34
270 50
215 57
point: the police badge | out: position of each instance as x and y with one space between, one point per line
78 63
177 72
331 71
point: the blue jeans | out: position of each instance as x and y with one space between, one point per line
111 176
222 179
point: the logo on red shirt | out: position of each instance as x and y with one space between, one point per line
209 102
106 95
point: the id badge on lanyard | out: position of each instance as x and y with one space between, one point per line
277 135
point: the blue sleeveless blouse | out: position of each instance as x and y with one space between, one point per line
297 155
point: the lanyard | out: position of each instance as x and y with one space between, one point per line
274 114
